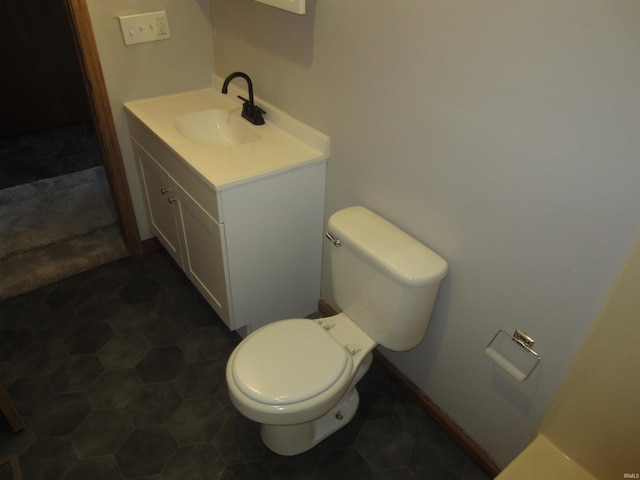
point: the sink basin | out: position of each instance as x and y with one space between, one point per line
216 128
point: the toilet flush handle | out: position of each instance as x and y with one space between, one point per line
334 240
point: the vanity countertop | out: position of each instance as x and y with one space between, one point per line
284 142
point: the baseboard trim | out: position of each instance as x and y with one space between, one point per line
453 430
151 245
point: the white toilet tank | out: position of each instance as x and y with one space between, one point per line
383 279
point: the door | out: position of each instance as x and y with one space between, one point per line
205 255
162 202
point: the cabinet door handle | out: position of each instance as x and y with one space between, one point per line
172 199
164 191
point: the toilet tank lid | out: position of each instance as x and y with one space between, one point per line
387 246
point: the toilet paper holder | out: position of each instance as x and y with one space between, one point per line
524 341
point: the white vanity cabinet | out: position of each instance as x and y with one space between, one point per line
252 248
204 253
159 191
192 236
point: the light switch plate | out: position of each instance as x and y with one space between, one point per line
144 27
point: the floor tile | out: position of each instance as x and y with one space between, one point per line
114 389
179 301
194 462
415 420
167 331
161 364
22 311
132 318
97 468
137 391
298 467
378 397
67 294
346 463
28 394
139 290
47 459
201 379
146 451
401 473
384 444
76 373
197 420
203 343
124 351
109 278
434 457
16 443
61 414
88 338
55 325
154 404
40 358
12 342
245 471
238 440
99 307
102 433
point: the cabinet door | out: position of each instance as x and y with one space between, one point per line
161 196
205 255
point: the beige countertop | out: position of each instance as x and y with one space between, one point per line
284 142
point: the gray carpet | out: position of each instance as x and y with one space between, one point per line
55 228
49 153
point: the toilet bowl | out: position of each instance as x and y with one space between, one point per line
298 377
303 390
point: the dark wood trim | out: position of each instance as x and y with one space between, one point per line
453 430
151 245
103 122
10 412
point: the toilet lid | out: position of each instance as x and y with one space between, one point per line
287 362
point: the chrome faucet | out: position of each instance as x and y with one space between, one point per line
250 111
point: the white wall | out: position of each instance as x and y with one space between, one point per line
501 133
183 62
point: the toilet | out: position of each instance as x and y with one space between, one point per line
297 377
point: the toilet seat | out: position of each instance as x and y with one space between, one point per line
322 367
288 362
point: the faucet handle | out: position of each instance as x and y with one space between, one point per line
250 103
251 112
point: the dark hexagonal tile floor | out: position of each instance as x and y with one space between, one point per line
119 374
114 389
88 338
114 427
124 351
146 451
61 414
140 290
161 365
154 404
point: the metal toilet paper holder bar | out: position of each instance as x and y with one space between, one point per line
522 339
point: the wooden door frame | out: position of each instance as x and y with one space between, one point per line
103 121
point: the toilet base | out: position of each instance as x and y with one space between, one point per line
294 439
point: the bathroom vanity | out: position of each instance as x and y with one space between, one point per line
239 207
